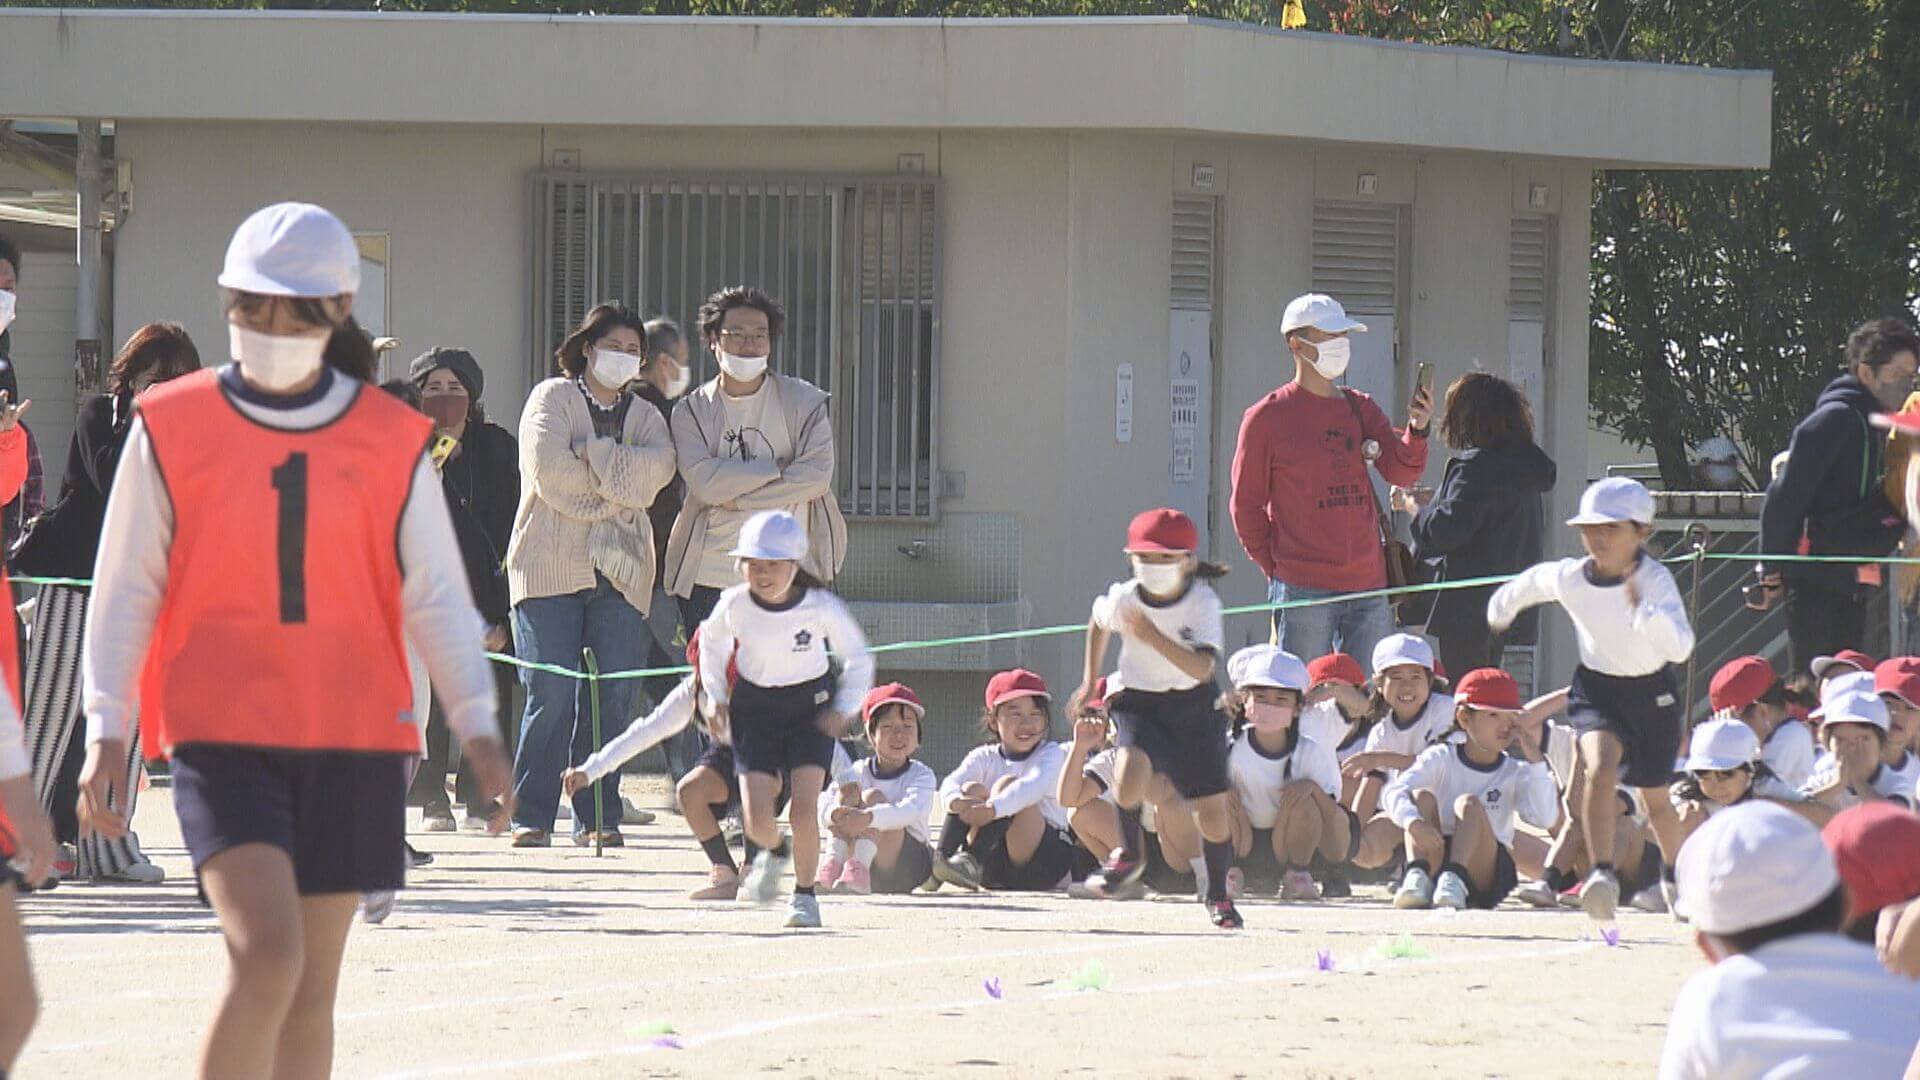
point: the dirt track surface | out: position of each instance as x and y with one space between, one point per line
540 963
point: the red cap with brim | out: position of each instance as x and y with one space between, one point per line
891 694
1336 667
1877 846
1018 683
1162 531
1740 683
1488 688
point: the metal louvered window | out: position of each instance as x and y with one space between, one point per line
1193 230
854 261
1356 255
1527 269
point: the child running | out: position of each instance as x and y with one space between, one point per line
1005 828
784 713
275 538
1624 701
877 814
1166 716
1286 784
1459 799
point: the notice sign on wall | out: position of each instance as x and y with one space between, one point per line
1185 428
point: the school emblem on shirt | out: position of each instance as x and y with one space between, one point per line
802 641
1186 636
1493 798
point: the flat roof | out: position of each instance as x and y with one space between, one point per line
1174 74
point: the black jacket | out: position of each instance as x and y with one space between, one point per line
99 437
1487 519
1830 491
666 505
482 484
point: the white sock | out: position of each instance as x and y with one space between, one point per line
838 848
1200 874
864 850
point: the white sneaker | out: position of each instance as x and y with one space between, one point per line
1450 891
1416 889
1537 894
762 883
803 912
633 815
376 906
1649 900
140 873
1600 896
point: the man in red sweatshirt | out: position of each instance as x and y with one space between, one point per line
1303 504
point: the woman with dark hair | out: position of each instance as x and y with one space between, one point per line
61 543
481 477
580 565
1486 520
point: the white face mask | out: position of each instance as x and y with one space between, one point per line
677 385
7 301
742 368
276 364
1160 579
614 368
1334 356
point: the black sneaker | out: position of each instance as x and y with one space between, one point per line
1225 915
417 858
1334 884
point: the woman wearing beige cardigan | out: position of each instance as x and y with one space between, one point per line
749 440
580 565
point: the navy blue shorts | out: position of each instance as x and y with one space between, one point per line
718 756
909 871
1058 858
776 728
1643 712
1505 877
1181 731
341 816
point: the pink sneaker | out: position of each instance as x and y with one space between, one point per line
855 879
1298 885
829 873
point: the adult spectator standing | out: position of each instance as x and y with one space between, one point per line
481 478
1487 518
664 380
749 440
1303 501
1787 994
62 542
1831 496
580 565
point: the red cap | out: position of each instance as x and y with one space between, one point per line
1336 667
1740 683
1488 688
892 693
1097 697
1017 683
1163 530
1900 677
1877 846
1823 664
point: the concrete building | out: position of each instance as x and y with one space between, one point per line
1039 263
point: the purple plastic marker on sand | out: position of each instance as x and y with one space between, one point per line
992 987
1610 935
668 1042
1324 959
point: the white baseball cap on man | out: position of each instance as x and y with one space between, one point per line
1397 649
1752 865
1721 744
772 534
1320 311
292 249
1614 500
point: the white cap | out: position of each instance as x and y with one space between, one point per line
1822 664
1721 744
1855 707
292 249
1614 500
1397 649
1753 865
1266 665
772 534
1320 311
1853 682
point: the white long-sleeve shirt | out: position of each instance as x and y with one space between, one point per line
672 716
1789 753
1433 723
1615 639
1036 780
1325 724
1259 777
130 579
785 647
1194 621
910 796
14 759
1507 788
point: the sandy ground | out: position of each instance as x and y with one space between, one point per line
514 963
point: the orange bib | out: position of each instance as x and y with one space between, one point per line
281 626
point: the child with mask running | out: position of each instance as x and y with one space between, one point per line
1166 718
1631 625
785 712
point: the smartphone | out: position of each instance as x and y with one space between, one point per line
1423 378
443 448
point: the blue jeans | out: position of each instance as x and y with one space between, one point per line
1311 632
557 730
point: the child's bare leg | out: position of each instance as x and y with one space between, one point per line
1597 809
1629 846
803 814
1530 854
305 1050
1366 797
20 1006
1296 831
886 847
1097 826
1421 850
758 793
1335 836
1664 821
698 793
1475 850
1179 832
1023 835
252 890
1569 836
1378 839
